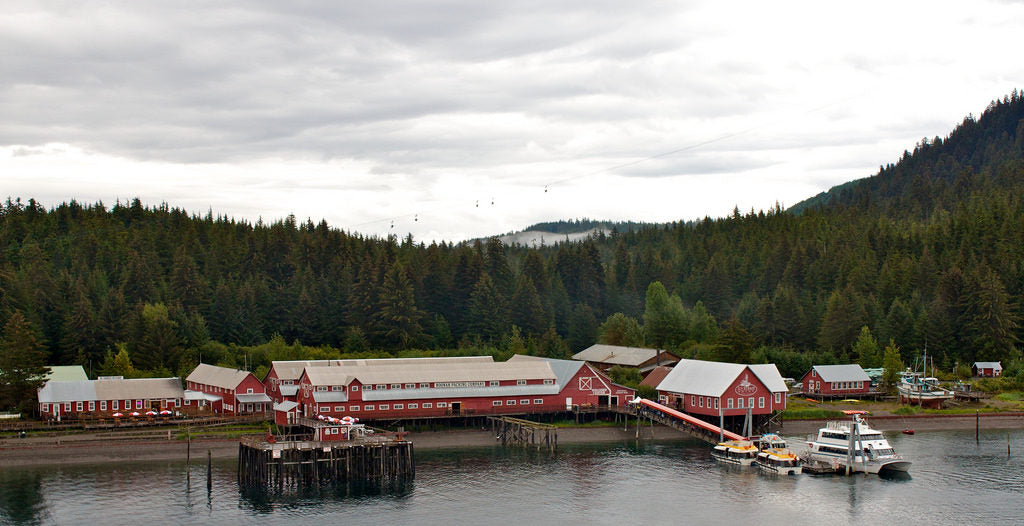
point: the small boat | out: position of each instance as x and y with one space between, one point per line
908 431
915 388
778 460
855 446
740 452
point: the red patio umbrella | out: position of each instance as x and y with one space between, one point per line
134 413
166 412
117 415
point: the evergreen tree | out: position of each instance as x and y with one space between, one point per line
664 318
865 350
893 366
22 364
488 311
398 316
620 329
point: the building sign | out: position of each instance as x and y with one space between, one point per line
745 388
460 384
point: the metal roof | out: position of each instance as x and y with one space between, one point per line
432 372
65 373
703 378
199 395
252 398
989 365
286 406
223 377
656 376
292 369
124 389
330 396
842 373
769 375
564 369
620 355
288 390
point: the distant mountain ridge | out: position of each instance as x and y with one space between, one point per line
554 232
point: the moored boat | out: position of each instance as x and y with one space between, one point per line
915 388
855 447
740 452
779 460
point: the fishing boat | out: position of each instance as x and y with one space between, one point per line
855 447
916 388
740 452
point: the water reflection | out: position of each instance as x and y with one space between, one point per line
21 497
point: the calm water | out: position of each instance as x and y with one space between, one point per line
953 480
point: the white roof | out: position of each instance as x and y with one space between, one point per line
433 372
199 395
620 355
842 373
223 377
292 369
989 365
703 378
286 406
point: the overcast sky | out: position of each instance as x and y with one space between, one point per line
421 115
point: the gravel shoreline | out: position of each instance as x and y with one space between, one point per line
82 449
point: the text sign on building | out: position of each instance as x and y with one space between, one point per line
745 388
460 384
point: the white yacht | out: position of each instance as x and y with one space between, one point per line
854 446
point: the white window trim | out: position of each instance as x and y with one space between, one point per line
413 406
495 403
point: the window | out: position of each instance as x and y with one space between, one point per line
46 408
368 407
414 406
396 386
138 404
78 406
693 401
354 408
525 401
700 402
520 382
495 403
760 403
538 401
324 409
384 407
410 386
424 385
442 404
729 403
750 402
92 406
399 406
127 405
510 402
739 403
716 403
103 405
549 382
339 408
67 407
249 390
355 387
321 388
113 405
381 387
428 405
495 383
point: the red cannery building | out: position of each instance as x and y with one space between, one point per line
645 360
412 389
987 369
282 381
848 380
108 395
240 391
724 392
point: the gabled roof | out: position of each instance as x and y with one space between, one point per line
842 373
713 378
286 406
430 370
620 355
292 369
564 369
656 376
65 373
988 365
223 377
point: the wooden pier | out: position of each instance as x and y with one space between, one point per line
519 432
304 463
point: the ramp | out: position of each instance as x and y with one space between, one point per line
677 419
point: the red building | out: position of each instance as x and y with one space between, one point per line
645 360
987 369
108 395
282 381
240 391
412 388
717 391
848 380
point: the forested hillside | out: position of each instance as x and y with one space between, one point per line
930 251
